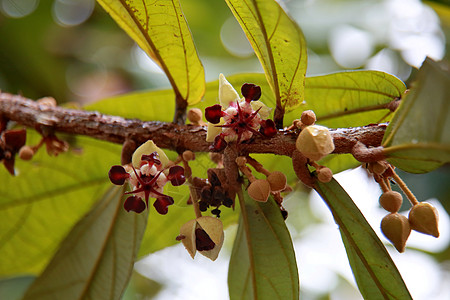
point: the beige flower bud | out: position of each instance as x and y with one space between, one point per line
277 181
194 115
49 101
145 149
379 167
188 155
324 174
308 117
391 201
424 218
26 153
396 229
259 190
315 142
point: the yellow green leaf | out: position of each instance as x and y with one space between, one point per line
48 196
96 259
349 99
262 264
418 138
375 272
160 29
279 44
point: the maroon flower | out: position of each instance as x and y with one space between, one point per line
147 182
242 119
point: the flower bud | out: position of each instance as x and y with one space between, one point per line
391 201
259 190
26 153
308 117
324 174
277 181
194 115
315 142
188 155
379 167
49 101
205 235
424 218
396 229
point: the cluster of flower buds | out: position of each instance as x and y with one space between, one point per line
204 234
237 120
423 217
260 189
147 175
212 193
314 141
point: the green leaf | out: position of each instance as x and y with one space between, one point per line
145 106
375 272
279 44
96 259
262 264
50 194
14 288
349 99
160 29
418 138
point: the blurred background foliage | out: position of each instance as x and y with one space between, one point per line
73 51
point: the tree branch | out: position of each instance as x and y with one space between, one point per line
166 135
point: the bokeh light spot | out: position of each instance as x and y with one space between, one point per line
72 12
18 8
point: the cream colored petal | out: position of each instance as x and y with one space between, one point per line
227 93
213 131
188 231
212 226
148 148
264 112
214 253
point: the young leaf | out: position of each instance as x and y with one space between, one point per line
262 264
47 197
418 138
279 44
96 259
160 29
375 272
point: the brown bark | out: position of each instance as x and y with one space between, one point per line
166 135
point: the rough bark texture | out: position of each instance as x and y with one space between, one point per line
166 135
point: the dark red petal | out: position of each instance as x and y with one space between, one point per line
151 158
118 175
251 91
202 240
15 139
219 143
268 128
9 164
176 175
161 204
214 113
135 204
